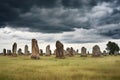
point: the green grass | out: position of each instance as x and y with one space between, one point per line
50 68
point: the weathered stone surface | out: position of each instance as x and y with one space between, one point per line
26 51
96 51
116 53
67 52
41 52
4 52
104 53
14 49
74 52
77 52
59 50
48 51
35 50
70 52
9 52
83 52
20 51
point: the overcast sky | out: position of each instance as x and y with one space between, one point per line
75 23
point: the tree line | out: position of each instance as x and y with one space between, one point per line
112 48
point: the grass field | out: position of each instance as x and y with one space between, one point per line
50 68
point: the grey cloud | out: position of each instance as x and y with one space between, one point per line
58 16
111 30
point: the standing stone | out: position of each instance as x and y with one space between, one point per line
14 49
26 51
4 52
74 52
35 50
116 53
96 51
77 51
105 53
20 51
9 52
83 52
67 51
70 52
48 51
41 52
59 50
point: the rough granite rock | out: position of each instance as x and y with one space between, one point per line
59 50
26 51
41 52
83 52
4 52
35 50
48 51
96 51
9 52
14 49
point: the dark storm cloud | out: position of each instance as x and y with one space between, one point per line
11 9
115 34
55 16
113 18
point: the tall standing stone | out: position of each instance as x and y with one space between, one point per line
59 50
4 52
71 52
41 52
14 49
48 51
96 51
35 49
83 52
26 51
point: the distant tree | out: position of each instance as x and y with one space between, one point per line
112 47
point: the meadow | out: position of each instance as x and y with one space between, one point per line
50 68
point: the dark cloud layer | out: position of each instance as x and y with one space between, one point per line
55 16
